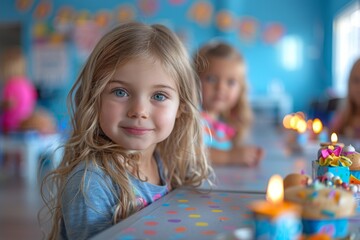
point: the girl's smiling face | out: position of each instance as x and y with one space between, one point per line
139 105
221 85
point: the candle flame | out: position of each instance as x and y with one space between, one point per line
301 126
275 189
334 138
293 121
317 126
286 121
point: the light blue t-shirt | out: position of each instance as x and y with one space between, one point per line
86 216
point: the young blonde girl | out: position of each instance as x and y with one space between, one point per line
18 94
346 121
226 111
130 105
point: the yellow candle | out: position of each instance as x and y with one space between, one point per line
274 218
274 204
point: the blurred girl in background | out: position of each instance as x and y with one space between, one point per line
226 111
346 120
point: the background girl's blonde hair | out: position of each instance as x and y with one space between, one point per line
241 115
182 152
350 105
13 63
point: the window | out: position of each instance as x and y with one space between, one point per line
346 46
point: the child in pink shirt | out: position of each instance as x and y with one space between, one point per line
18 97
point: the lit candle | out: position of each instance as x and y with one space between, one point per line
274 218
320 132
303 135
334 142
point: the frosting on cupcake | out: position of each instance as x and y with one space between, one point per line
320 202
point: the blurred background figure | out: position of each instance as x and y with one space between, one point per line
346 120
227 114
18 97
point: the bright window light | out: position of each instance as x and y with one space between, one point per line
346 46
291 52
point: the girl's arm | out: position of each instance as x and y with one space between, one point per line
248 156
88 211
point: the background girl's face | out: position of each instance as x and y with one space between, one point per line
139 105
354 86
221 85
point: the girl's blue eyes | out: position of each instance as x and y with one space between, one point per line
159 97
214 80
211 79
122 93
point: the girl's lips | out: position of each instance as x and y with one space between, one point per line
136 131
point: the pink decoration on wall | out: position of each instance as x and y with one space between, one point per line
125 13
149 7
43 10
273 32
224 20
248 28
85 36
24 5
201 12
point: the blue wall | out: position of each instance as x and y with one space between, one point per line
307 23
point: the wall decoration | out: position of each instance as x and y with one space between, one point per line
224 20
40 31
103 18
148 7
82 17
201 12
85 36
176 2
50 65
64 20
24 5
42 10
273 32
125 13
248 28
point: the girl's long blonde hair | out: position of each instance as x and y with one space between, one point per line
350 107
182 152
12 64
241 115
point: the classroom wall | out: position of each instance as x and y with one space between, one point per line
286 43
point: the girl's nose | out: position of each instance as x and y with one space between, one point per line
221 86
138 109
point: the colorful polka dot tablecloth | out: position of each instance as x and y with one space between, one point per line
187 214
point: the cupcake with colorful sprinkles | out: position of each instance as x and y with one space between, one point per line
331 159
325 210
354 156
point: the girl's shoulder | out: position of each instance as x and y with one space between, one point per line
88 173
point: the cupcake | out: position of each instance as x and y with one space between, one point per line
331 159
354 156
324 210
296 179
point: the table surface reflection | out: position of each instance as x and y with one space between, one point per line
214 212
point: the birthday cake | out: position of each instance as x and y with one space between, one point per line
324 210
332 162
354 157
